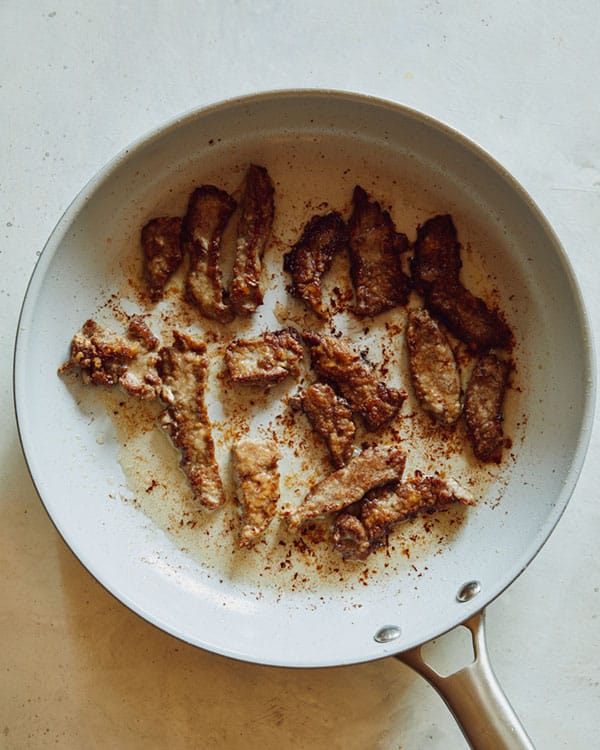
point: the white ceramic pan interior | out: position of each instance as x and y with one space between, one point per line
110 481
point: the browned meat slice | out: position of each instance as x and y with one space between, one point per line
468 317
161 246
183 368
266 359
436 253
356 536
331 418
436 268
254 229
483 406
256 462
374 467
335 360
311 257
100 354
107 358
375 257
208 212
433 369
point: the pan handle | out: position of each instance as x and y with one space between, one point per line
475 697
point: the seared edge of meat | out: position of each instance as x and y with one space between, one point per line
436 268
371 468
183 369
162 253
483 406
375 257
356 536
141 377
434 373
311 257
253 232
208 212
256 464
335 360
266 359
330 416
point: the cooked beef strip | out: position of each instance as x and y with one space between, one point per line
356 536
331 418
335 360
256 463
436 269
253 232
433 369
375 257
483 406
162 253
311 257
183 368
371 468
208 212
100 354
266 359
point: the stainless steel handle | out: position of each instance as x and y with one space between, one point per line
475 697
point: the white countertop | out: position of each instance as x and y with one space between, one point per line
79 82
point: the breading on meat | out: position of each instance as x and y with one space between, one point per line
256 464
183 368
104 357
335 360
162 253
356 536
483 406
208 212
375 257
311 257
253 232
373 467
433 368
266 359
435 270
331 418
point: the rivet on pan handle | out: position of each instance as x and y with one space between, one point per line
475 697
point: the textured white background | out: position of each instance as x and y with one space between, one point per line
78 82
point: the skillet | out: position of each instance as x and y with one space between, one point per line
317 145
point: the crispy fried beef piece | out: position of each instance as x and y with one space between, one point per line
375 257
331 418
100 354
372 468
106 358
433 369
483 406
311 257
208 212
183 368
253 232
356 536
436 268
336 361
162 253
256 463
266 359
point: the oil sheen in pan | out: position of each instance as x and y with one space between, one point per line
283 560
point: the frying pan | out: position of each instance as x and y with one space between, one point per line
317 145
